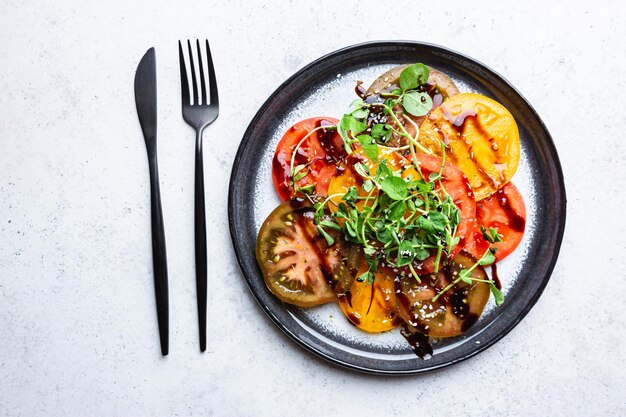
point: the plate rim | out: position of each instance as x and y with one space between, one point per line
483 345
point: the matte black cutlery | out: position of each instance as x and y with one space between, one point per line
146 101
199 114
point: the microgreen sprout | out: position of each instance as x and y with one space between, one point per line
491 235
399 221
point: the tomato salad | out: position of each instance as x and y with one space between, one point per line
395 209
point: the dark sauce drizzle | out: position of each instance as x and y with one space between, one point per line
517 223
352 318
331 142
360 90
495 277
419 342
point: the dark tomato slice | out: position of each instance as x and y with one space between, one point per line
298 265
372 307
505 211
455 311
319 153
455 184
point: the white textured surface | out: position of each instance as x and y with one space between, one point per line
77 319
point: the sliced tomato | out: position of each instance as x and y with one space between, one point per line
298 265
481 136
454 311
318 153
372 307
505 211
456 185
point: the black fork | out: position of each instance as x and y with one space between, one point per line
199 114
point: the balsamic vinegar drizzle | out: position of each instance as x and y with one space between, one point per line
517 223
331 142
495 277
419 342
360 90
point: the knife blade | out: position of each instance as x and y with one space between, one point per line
146 101
145 96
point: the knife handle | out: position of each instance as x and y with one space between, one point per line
159 255
200 234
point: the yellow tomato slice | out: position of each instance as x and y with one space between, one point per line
372 307
482 139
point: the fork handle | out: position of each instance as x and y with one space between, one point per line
200 234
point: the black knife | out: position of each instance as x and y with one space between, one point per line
146 100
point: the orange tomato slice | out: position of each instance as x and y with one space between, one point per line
372 307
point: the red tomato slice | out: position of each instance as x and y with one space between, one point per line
455 184
319 152
504 211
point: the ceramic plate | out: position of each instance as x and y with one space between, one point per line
325 88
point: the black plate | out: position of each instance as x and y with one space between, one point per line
325 88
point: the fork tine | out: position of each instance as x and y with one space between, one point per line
193 74
202 83
212 80
184 81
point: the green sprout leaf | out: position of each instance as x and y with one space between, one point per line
433 176
300 175
356 126
349 226
422 254
417 104
319 212
368 186
328 238
369 250
307 189
406 253
491 235
365 276
394 187
330 224
383 170
396 211
342 129
413 76
378 130
384 235
297 169
438 220
351 195
356 104
362 169
487 259
360 113
369 147
497 294
410 205
465 275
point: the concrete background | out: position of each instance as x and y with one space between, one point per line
77 322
